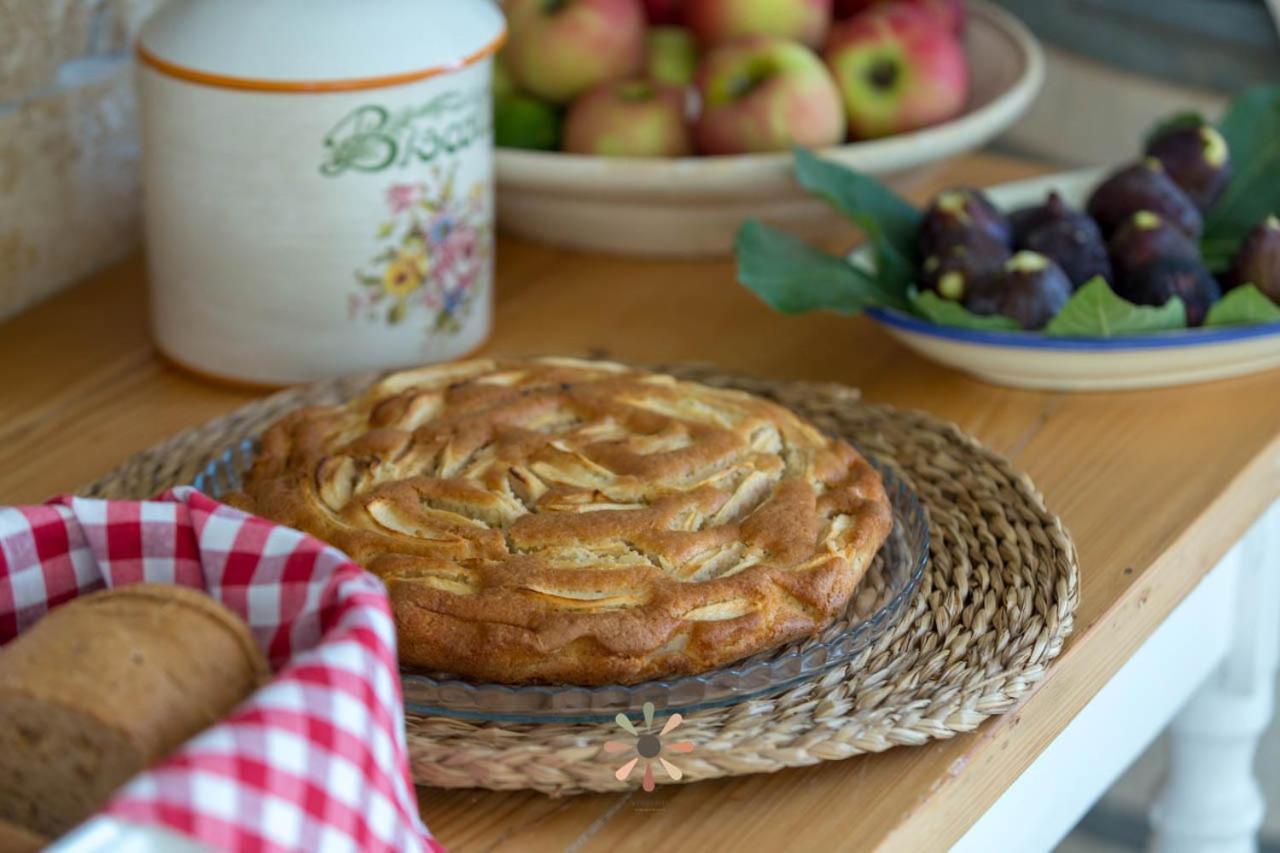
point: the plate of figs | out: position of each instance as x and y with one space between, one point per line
1164 270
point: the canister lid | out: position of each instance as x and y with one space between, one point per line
318 45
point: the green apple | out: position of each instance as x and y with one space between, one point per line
520 121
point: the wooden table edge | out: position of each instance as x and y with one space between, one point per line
1107 643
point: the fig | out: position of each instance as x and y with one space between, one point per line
953 218
960 268
1156 282
1029 288
1258 260
1024 220
983 295
1146 237
1196 158
1077 248
1143 186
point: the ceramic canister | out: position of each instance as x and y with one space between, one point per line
318 182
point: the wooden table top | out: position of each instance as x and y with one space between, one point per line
1153 485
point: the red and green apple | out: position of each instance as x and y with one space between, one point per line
898 69
558 49
766 94
952 12
629 118
663 12
715 22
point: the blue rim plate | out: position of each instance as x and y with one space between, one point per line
1034 360
1033 340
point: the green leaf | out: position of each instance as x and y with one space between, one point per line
396 313
1252 130
1218 251
946 312
889 222
791 276
1095 311
1243 305
1188 118
385 229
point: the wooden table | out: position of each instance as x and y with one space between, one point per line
1155 487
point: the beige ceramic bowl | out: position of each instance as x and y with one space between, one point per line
694 205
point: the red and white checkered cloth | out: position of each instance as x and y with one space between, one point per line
316 759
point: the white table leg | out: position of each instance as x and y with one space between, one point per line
1211 802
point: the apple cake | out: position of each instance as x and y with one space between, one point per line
558 520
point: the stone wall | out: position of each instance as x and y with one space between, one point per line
69 201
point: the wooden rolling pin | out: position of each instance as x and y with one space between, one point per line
107 684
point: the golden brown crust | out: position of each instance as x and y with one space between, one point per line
559 520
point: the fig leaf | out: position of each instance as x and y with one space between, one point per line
946 312
792 277
1241 306
1095 311
1251 127
889 222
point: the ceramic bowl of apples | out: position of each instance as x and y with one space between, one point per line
1162 271
656 127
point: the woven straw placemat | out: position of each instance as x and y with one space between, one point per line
995 605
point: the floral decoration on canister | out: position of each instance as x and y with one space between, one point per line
432 258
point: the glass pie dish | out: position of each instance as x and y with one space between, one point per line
873 609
